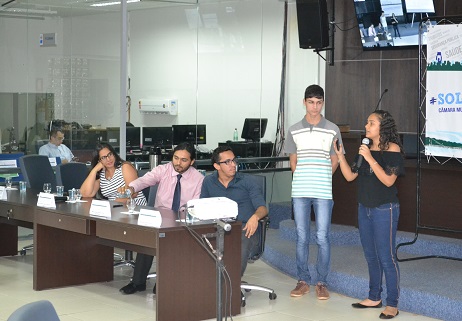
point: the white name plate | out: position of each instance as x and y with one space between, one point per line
149 218
3 193
46 200
100 208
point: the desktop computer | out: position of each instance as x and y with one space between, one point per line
250 149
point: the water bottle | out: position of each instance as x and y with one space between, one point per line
235 136
154 157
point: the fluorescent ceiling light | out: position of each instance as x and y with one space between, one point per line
104 4
29 11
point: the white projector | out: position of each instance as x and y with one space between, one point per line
212 208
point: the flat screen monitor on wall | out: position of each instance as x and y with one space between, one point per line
401 27
157 137
195 134
254 129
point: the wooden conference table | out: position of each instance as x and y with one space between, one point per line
71 248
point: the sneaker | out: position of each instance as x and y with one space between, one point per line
322 292
301 289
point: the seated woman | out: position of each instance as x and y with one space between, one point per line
108 173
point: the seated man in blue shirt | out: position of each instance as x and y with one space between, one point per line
241 188
56 148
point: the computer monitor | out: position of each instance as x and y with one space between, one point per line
157 137
194 134
113 136
254 129
132 137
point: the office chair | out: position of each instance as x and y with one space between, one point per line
36 170
71 175
35 311
263 226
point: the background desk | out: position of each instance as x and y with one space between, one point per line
71 248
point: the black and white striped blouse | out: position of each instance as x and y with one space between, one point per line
109 186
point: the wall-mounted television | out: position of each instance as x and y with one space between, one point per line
254 129
194 134
157 137
398 25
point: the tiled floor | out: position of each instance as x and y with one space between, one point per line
102 301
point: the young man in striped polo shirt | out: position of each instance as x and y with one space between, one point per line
313 162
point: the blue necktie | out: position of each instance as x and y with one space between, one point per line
177 194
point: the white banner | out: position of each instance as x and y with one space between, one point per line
444 91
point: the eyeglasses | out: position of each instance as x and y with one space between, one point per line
229 161
103 158
59 138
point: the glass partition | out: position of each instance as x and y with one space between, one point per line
189 62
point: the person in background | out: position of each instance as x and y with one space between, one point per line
108 173
56 148
371 31
394 23
241 188
383 23
168 176
378 208
313 162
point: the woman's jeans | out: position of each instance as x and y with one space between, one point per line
323 215
377 229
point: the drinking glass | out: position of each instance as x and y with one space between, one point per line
22 186
78 195
71 195
60 190
8 182
131 205
47 187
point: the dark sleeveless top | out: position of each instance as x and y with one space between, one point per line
372 192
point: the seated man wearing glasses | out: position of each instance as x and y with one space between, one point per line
241 188
56 148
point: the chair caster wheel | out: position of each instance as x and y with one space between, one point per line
272 296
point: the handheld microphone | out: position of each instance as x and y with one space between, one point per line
380 99
359 158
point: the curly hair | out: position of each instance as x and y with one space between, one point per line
388 131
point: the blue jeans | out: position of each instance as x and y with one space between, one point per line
377 229
323 215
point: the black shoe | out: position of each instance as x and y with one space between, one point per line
362 306
388 316
131 288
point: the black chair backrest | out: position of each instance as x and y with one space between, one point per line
37 170
261 181
152 195
71 175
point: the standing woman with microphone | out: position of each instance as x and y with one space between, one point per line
378 208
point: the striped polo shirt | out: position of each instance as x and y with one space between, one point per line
314 146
